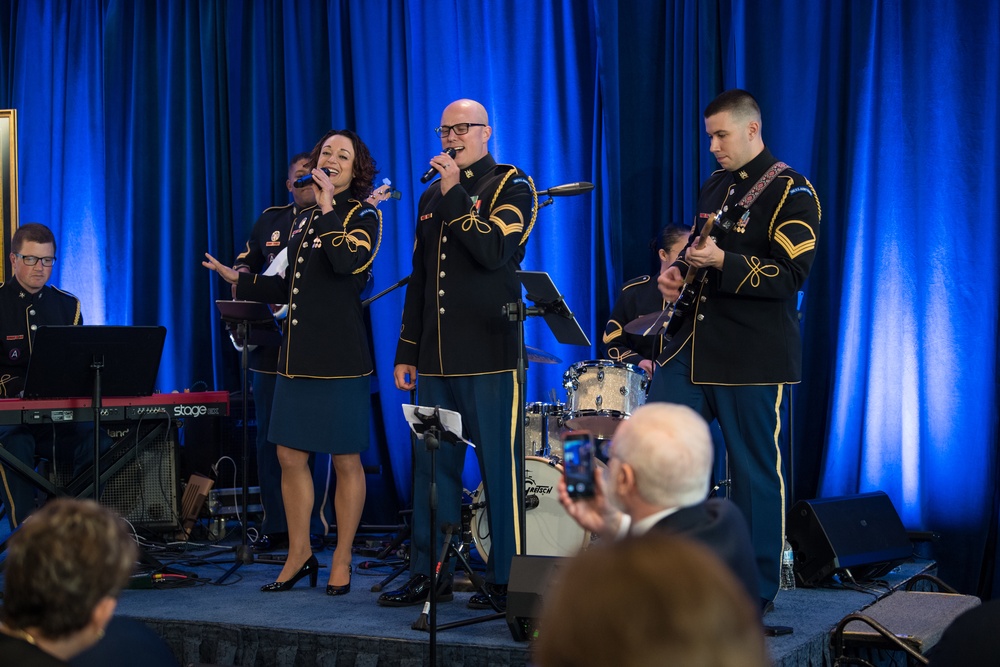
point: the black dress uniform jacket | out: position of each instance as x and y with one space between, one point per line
469 246
324 334
21 312
269 236
639 296
744 328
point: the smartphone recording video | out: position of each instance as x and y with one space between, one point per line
578 463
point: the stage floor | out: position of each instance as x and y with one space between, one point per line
236 624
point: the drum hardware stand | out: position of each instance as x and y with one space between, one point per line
448 550
400 565
244 314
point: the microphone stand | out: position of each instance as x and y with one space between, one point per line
399 283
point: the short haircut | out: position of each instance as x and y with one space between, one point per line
61 562
654 600
298 157
33 232
364 163
669 447
737 102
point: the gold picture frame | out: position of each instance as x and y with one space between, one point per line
8 183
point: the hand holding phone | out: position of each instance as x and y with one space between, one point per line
578 463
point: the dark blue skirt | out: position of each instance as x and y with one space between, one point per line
315 415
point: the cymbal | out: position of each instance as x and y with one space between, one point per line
541 356
649 325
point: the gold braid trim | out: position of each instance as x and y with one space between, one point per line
378 238
791 182
784 196
534 202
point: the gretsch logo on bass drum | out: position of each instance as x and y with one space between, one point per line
530 486
190 411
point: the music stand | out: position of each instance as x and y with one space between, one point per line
434 425
244 314
550 305
72 361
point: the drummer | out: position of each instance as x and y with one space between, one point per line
638 297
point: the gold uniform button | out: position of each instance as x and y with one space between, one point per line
301 259
294 306
32 312
34 327
295 290
444 239
441 274
700 317
298 275
444 256
441 311
294 322
703 299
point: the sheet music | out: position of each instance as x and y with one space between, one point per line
450 420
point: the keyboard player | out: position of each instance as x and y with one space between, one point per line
26 302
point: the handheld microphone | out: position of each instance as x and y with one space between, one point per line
308 179
432 172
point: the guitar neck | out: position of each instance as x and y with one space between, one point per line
692 272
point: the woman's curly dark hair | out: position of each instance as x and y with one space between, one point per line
364 163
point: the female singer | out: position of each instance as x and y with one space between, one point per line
322 397
640 296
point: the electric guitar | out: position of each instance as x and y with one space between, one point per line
669 321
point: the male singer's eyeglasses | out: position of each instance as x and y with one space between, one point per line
31 260
460 129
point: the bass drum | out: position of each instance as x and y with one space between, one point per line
549 530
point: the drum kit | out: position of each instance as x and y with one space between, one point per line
599 395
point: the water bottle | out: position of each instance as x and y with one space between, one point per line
787 568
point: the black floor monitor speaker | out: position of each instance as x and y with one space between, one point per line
862 534
530 579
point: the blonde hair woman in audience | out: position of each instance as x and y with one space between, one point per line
651 600
64 570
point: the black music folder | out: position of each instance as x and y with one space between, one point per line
63 357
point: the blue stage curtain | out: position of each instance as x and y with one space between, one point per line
151 132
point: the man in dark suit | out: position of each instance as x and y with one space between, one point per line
659 466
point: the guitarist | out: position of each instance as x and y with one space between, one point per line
738 342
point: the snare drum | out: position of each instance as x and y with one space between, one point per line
543 423
599 394
549 531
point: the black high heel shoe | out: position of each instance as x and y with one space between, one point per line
341 590
310 568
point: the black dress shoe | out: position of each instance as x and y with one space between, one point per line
416 591
310 568
497 591
271 542
341 590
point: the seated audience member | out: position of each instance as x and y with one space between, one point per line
659 466
661 600
64 570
